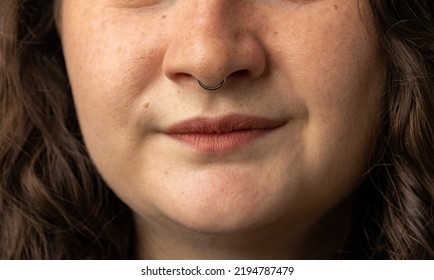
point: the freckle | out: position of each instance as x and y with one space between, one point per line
336 7
166 172
146 106
163 16
275 32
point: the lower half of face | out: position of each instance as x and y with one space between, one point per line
295 173
287 138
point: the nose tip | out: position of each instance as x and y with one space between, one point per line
214 54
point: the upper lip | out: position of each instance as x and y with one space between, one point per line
225 124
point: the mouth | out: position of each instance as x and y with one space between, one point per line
225 134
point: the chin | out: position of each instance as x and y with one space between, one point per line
223 222
227 212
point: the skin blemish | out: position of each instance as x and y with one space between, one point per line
336 7
163 16
146 106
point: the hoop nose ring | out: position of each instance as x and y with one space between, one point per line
211 88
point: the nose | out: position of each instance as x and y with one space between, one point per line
214 45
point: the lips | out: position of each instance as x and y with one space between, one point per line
224 134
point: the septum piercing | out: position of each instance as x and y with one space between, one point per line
214 88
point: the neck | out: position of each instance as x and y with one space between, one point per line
320 239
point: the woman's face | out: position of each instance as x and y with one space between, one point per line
287 137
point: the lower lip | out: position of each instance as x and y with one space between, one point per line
221 142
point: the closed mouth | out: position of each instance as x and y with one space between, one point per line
223 134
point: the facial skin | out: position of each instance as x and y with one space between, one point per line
313 65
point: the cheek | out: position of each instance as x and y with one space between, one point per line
339 74
335 67
105 62
110 72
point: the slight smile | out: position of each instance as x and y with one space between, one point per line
224 134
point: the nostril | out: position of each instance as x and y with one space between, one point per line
183 78
240 74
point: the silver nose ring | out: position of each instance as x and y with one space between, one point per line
213 88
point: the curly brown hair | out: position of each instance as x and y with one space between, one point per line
54 204
395 211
